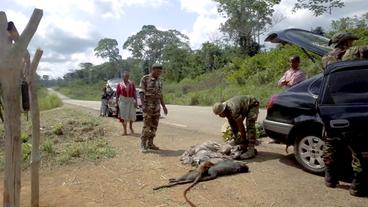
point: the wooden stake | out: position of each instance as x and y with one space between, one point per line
35 117
11 66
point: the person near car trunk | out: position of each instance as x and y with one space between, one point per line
104 102
236 109
127 101
341 42
151 96
359 187
293 75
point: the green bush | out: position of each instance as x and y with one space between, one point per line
257 76
24 136
48 101
48 146
58 129
79 89
26 151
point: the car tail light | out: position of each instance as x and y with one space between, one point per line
271 101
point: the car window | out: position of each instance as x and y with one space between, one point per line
310 39
315 87
347 87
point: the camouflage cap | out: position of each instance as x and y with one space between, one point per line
156 65
218 108
340 37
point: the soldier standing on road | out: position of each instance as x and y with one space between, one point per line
151 96
344 51
236 110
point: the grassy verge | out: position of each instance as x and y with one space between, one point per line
207 89
256 76
48 101
66 138
82 91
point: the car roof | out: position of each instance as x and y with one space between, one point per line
310 41
114 80
346 65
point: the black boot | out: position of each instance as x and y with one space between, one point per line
331 179
358 187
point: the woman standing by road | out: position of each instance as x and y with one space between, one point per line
126 95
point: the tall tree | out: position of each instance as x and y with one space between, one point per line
246 19
108 48
149 43
318 7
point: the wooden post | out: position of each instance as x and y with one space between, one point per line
11 66
35 117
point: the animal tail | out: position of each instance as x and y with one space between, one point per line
171 184
186 198
190 187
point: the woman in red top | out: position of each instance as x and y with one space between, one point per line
126 94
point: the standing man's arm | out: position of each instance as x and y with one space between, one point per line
142 85
163 104
282 81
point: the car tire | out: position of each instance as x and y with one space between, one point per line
109 114
308 151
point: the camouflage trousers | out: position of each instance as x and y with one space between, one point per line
251 118
332 148
150 123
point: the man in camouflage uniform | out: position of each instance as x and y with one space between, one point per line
151 96
236 110
341 43
344 51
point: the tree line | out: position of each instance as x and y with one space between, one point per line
246 21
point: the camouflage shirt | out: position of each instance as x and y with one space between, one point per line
356 53
239 106
334 56
152 89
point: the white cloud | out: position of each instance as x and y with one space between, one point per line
207 23
202 7
60 7
117 6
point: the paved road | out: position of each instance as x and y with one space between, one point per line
196 118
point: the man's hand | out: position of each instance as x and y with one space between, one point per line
165 110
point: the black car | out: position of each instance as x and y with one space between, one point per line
343 101
292 116
112 104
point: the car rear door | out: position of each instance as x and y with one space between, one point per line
343 101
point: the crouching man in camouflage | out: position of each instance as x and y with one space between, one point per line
151 96
236 110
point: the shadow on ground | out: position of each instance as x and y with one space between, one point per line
290 161
167 153
263 156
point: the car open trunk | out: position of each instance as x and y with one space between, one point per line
304 39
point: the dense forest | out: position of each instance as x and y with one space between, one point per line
233 64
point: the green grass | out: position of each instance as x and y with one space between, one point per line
67 135
48 101
81 90
221 91
256 76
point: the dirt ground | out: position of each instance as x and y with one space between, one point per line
127 180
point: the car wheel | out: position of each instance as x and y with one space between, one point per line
308 150
109 113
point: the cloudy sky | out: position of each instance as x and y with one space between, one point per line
70 29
